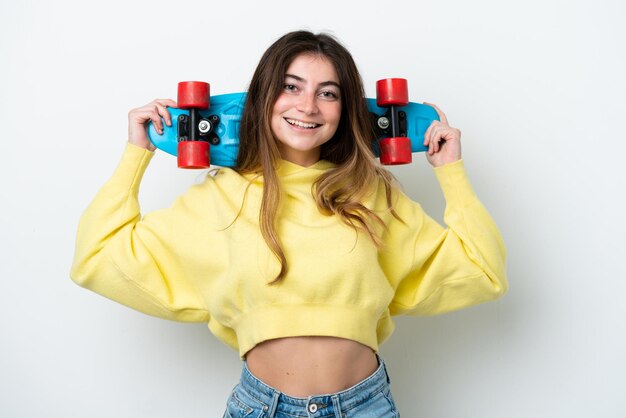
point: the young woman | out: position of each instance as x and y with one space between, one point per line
299 256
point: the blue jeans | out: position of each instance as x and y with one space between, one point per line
370 398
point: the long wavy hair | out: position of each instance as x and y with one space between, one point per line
338 191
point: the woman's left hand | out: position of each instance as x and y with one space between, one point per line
442 140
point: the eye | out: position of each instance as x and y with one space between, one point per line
289 87
328 94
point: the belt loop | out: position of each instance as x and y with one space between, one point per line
385 368
337 406
274 405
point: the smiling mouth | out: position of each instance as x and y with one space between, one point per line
301 124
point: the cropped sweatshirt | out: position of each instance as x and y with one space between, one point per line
204 259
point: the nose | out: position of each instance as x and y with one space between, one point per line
307 103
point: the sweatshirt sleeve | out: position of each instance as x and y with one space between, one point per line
435 269
137 262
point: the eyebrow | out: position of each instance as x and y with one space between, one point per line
323 84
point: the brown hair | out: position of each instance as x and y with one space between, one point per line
338 191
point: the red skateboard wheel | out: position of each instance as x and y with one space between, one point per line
193 94
395 151
193 154
392 92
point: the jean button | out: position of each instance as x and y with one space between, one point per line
312 408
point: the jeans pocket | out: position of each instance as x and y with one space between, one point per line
241 405
379 405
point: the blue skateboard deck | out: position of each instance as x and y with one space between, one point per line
229 107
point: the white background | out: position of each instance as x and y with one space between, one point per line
537 88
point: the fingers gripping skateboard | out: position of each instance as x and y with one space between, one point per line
393 93
193 150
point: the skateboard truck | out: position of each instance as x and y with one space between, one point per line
205 128
391 124
396 148
195 133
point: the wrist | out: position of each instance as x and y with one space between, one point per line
141 144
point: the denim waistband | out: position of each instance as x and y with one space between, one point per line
348 398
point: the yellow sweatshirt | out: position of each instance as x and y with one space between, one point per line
198 261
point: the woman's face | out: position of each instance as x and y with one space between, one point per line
307 112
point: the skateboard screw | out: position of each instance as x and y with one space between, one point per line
204 126
383 122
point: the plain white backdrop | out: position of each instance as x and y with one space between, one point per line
536 87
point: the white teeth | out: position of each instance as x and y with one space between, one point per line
302 124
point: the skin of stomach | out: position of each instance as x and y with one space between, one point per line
311 365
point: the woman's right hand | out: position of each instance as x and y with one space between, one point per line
139 118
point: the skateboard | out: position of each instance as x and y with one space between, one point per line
205 128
